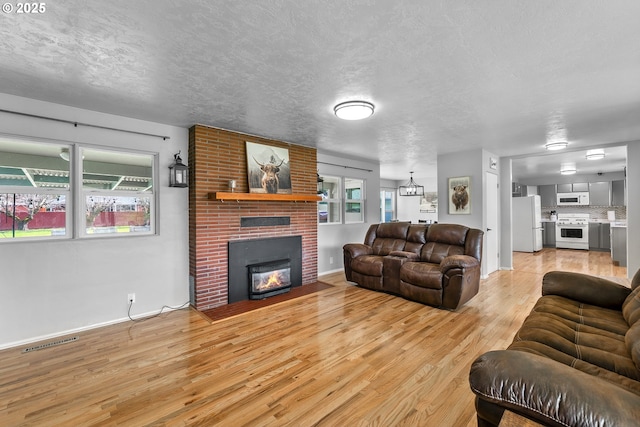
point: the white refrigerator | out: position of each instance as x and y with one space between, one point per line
527 224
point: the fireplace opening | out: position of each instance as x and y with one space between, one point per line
261 252
269 279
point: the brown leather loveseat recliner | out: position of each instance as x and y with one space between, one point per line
435 264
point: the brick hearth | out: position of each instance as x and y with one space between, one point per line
215 157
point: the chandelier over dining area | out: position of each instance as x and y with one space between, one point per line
411 188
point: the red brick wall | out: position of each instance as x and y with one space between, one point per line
215 157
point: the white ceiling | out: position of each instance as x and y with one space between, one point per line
445 76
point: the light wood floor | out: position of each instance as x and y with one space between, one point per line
344 356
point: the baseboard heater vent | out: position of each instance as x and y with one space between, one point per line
50 344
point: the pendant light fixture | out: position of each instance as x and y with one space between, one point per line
411 188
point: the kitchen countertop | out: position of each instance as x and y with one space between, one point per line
597 221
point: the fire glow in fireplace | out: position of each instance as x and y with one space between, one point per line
266 280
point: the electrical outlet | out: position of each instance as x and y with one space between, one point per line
131 298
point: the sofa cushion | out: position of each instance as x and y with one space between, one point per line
425 275
369 265
631 307
435 252
632 340
574 312
416 238
588 338
635 281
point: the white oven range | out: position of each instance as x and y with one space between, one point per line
572 231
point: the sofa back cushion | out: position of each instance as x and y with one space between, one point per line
416 238
631 307
632 340
635 282
444 240
389 236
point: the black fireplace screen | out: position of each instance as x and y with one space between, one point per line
269 279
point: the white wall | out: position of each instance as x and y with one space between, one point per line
506 238
474 164
468 163
50 288
332 237
633 207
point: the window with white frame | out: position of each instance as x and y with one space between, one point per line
38 198
329 207
340 206
117 192
34 190
354 200
387 205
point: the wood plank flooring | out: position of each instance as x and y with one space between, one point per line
343 356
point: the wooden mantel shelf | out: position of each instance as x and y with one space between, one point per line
219 195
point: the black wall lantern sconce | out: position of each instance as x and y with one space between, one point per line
178 173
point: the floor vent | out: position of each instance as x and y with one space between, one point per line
49 344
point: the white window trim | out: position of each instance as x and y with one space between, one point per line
75 219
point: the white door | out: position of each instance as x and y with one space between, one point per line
490 256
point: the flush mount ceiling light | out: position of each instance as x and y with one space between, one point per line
556 145
411 188
64 154
568 168
596 154
354 110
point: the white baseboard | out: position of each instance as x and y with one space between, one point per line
32 340
324 273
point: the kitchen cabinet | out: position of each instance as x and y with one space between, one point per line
580 186
572 188
548 195
619 246
600 193
599 236
549 234
618 193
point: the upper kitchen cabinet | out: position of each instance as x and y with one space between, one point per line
547 195
580 186
618 193
572 188
600 193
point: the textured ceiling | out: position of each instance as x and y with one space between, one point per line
445 76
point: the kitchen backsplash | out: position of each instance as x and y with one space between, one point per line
595 212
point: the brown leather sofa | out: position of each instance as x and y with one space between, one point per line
574 362
435 264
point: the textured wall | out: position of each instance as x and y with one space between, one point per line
215 157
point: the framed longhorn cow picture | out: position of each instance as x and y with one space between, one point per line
268 169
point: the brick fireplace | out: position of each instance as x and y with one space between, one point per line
215 157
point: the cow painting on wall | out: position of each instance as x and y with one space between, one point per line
268 169
459 195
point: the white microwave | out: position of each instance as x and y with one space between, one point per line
580 198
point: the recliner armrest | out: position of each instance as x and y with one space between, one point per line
357 249
585 288
458 261
550 392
